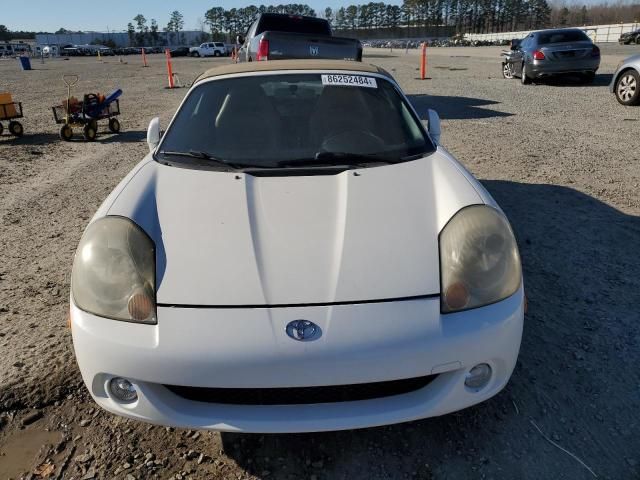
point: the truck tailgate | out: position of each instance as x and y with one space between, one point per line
286 46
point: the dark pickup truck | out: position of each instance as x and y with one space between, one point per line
275 36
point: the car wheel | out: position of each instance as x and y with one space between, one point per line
114 125
1 129
93 123
16 129
628 88
507 70
216 54
524 78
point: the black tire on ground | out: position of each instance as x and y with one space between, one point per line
216 53
16 129
89 133
94 124
195 54
627 88
114 125
524 79
1 129
66 133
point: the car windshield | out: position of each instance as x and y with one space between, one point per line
561 37
270 120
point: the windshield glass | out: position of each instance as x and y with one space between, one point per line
268 120
561 37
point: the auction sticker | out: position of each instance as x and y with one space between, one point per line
349 80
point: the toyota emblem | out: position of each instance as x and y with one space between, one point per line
303 330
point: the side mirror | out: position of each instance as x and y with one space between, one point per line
240 39
433 125
153 134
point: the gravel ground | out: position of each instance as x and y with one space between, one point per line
561 158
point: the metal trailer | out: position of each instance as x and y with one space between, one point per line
11 111
85 113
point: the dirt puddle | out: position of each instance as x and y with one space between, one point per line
18 452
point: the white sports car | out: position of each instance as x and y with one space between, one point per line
296 253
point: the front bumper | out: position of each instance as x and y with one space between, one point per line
248 348
541 68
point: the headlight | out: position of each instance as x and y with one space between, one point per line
114 271
479 260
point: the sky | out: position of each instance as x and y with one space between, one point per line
113 15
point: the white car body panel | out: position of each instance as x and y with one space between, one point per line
247 348
236 239
238 257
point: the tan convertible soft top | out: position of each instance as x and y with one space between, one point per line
280 65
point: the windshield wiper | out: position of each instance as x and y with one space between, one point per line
337 158
210 159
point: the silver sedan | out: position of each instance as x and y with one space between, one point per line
553 52
625 83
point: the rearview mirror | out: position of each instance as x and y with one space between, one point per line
153 134
433 125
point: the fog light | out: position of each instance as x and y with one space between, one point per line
123 390
478 376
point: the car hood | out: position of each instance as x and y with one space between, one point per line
233 239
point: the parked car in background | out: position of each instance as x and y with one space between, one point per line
71 52
6 50
21 49
260 283
106 51
275 36
630 37
553 52
209 49
180 52
625 83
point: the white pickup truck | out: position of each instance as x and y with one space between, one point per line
210 49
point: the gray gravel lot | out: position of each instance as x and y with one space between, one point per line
562 159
